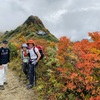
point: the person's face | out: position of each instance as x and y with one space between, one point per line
5 45
24 48
30 45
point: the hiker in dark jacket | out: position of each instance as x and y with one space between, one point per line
4 60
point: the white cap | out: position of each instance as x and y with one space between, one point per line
24 45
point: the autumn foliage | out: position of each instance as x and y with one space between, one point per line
69 70
62 49
82 80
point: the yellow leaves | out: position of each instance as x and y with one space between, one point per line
52 44
18 42
22 39
95 51
90 79
52 79
40 87
73 56
61 59
18 45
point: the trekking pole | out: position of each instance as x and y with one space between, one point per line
34 76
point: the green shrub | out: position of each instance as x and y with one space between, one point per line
13 51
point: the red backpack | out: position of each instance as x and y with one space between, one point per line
40 50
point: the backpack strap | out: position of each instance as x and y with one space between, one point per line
35 51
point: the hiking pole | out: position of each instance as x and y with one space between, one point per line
34 76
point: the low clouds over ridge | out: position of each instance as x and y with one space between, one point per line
71 18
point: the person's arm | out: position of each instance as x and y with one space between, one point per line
8 55
39 55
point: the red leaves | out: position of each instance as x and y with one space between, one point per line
73 75
71 86
95 36
79 90
60 69
87 60
88 87
64 40
62 49
84 76
95 98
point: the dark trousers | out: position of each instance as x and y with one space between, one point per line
25 68
32 73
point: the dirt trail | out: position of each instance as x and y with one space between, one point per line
16 90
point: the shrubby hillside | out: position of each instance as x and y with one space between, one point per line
68 71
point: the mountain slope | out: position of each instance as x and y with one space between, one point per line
31 28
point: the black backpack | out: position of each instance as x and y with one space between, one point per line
41 53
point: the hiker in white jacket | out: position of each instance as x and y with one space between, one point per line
34 58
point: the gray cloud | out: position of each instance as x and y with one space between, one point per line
71 18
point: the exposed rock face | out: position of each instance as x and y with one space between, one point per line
33 19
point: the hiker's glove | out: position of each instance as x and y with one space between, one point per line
34 62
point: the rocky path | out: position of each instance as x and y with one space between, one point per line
16 90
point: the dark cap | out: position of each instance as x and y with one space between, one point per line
4 42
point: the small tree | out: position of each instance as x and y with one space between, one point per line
13 50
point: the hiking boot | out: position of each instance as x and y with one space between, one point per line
29 86
2 87
5 83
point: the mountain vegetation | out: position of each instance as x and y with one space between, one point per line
68 71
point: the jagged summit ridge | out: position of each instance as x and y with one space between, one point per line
34 20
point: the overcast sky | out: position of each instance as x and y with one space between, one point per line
71 18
